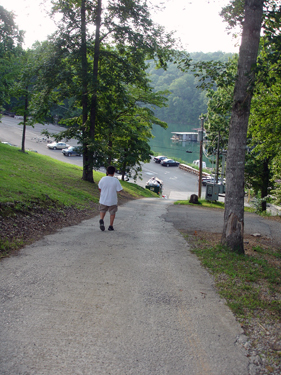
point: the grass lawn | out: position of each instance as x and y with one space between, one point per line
25 176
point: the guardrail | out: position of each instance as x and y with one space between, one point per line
189 169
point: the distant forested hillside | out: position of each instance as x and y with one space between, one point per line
185 102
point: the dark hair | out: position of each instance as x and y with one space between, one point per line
110 170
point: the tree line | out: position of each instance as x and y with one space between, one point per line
94 69
186 101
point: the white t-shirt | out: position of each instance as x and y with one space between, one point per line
109 187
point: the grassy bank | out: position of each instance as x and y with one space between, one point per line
33 185
26 176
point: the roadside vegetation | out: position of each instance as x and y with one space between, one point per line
250 284
33 186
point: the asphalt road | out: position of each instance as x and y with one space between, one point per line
177 183
129 302
195 218
11 132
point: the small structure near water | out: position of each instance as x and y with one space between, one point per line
197 163
185 136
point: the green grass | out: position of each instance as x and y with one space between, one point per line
241 278
249 283
29 180
29 176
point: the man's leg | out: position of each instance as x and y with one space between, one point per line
102 215
112 212
112 217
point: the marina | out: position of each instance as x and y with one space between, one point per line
184 149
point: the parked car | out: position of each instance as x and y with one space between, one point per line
57 145
158 159
208 180
71 151
211 180
170 163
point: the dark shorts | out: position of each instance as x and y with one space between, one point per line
111 209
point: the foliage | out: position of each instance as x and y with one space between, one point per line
277 192
10 36
264 123
124 36
125 113
10 47
185 102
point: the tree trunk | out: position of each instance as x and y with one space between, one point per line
109 145
87 154
233 230
265 185
24 120
94 100
124 167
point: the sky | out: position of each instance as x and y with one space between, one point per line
197 23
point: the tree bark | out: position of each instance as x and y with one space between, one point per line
266 179
94 100
24 120
233 231
87 154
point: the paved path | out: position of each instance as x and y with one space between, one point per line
130 302
211 220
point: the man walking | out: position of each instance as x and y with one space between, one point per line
108 187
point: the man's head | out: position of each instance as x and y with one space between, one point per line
110 170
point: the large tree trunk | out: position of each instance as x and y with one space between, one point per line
94 100
87 154
233 230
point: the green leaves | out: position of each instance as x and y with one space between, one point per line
10 48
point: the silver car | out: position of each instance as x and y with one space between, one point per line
57 145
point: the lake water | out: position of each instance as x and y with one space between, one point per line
163 144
